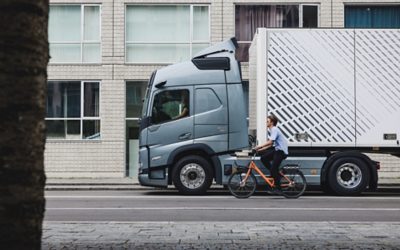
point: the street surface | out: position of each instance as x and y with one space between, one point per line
147 219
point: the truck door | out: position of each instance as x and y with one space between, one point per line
171 126
211 117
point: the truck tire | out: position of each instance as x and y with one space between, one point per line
192 175
348 176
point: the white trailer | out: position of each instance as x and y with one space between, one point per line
336 93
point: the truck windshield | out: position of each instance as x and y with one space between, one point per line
146 97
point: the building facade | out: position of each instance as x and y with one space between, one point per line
103 53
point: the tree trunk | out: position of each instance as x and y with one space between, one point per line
23 61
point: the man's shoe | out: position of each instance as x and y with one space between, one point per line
270 191
278 192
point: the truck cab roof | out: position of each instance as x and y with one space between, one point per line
209 66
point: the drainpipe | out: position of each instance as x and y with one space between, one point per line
331 13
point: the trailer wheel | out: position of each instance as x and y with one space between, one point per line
192 175
348 176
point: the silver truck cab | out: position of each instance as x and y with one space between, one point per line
193 113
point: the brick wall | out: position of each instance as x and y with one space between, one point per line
106 157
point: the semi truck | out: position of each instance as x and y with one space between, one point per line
335 92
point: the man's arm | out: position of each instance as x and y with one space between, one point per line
270 141
264 146
184 113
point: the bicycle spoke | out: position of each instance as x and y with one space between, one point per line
293 185
240 189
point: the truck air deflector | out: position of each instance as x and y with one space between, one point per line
222 47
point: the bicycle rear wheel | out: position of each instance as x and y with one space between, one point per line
293 183
240 188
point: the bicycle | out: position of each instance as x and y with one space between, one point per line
242 182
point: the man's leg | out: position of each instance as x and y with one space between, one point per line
267 157
278 158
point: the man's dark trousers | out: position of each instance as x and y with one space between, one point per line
276 156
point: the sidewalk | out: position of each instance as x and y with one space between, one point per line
220 235
126 183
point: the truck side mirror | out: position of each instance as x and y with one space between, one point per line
144 122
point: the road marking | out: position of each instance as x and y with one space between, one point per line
205 197
227 208
218 222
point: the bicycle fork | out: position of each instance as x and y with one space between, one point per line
243 182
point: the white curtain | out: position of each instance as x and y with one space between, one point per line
91 53
65 53
201 24
65 29
157 53
161 33
158 23
65 23
91 23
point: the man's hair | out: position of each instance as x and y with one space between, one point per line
273 119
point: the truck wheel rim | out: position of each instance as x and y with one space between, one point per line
349 175
192 176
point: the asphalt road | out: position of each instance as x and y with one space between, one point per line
217 205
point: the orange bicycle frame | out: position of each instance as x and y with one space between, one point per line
269 180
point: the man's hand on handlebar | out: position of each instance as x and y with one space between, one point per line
258 149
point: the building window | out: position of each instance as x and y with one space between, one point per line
250 17
73 110
135 92
309 16
74 34
372 16
165 33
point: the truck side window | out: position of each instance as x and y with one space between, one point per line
170 105
206 100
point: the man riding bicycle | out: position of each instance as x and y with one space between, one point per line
275 150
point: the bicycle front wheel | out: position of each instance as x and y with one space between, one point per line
241 188
293 184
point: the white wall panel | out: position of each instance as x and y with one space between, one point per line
311 85
378 86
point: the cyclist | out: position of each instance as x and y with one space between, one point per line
275 150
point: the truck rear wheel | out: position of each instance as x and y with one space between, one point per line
192 175
348 176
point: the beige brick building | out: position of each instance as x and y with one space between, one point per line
103 55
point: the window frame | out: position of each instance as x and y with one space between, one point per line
82 117
190 43
136 118
301 14
82 42
275 4
129 119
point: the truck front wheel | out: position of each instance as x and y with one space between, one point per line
192 175
348 176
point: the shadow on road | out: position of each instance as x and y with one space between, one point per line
385 191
